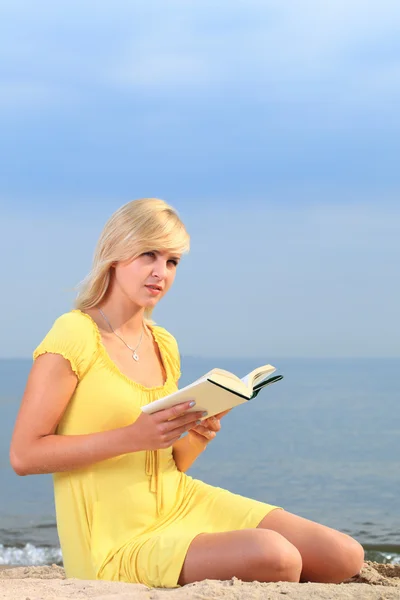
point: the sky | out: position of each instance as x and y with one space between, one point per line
273 128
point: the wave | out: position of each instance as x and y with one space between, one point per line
43 555
387 554
29 555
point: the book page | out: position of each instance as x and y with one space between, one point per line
224 373
208 396
258 375
230 383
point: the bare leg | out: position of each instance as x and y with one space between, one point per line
327 555
249 554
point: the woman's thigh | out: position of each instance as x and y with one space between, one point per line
249 554
327 555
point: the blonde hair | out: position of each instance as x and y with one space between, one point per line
136 227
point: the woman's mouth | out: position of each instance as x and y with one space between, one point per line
154 289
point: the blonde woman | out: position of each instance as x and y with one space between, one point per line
126 510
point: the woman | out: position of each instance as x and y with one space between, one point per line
125 509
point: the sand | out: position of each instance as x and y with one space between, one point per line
376 582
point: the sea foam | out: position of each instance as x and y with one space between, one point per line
29 555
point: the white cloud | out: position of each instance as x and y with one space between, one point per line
287 47
164 70
279 42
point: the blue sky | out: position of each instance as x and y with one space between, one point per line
272 127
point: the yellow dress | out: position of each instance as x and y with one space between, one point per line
130 518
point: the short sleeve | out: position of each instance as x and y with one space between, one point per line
171 351
74 337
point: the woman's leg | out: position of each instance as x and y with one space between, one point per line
327 555
249 554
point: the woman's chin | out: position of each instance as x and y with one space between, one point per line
147 302
150 303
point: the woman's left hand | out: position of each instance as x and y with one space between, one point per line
207 430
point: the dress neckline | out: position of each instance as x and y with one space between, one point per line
114 367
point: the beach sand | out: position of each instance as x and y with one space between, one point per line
376 582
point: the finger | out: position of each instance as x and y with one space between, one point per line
212 423
182 424
207 433
189 419
204 431
170 441
174 411
201 439
176 433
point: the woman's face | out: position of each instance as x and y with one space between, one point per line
147 278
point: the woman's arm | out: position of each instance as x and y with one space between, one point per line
35 448
188 449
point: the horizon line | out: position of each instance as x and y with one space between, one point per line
255 358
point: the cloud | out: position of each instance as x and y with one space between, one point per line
183 44
198 100
166 69
304 67
272 43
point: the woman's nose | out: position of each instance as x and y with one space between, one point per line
160 269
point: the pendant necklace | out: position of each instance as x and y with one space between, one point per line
135 356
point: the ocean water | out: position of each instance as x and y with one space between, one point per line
323 443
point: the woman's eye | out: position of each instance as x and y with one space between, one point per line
173 261
151 254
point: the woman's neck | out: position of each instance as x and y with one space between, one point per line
126 320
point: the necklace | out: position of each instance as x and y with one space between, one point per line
135 356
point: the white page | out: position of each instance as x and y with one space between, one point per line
259 378
245 379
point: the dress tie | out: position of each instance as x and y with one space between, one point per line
156 479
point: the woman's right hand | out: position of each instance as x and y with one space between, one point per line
164 427
37 448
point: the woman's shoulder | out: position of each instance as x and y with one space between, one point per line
75 336
165 336
76 321
75 326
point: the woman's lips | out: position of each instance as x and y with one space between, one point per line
154 289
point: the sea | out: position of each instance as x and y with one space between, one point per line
323 443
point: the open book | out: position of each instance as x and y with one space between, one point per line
218 390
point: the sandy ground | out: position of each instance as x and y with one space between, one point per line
376 582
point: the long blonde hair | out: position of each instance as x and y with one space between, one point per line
136 227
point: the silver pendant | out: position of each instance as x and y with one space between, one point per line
135 356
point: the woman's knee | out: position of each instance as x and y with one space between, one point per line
347 559
274 557
351 558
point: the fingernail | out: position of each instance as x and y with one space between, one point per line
198 422
204 414
193 403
